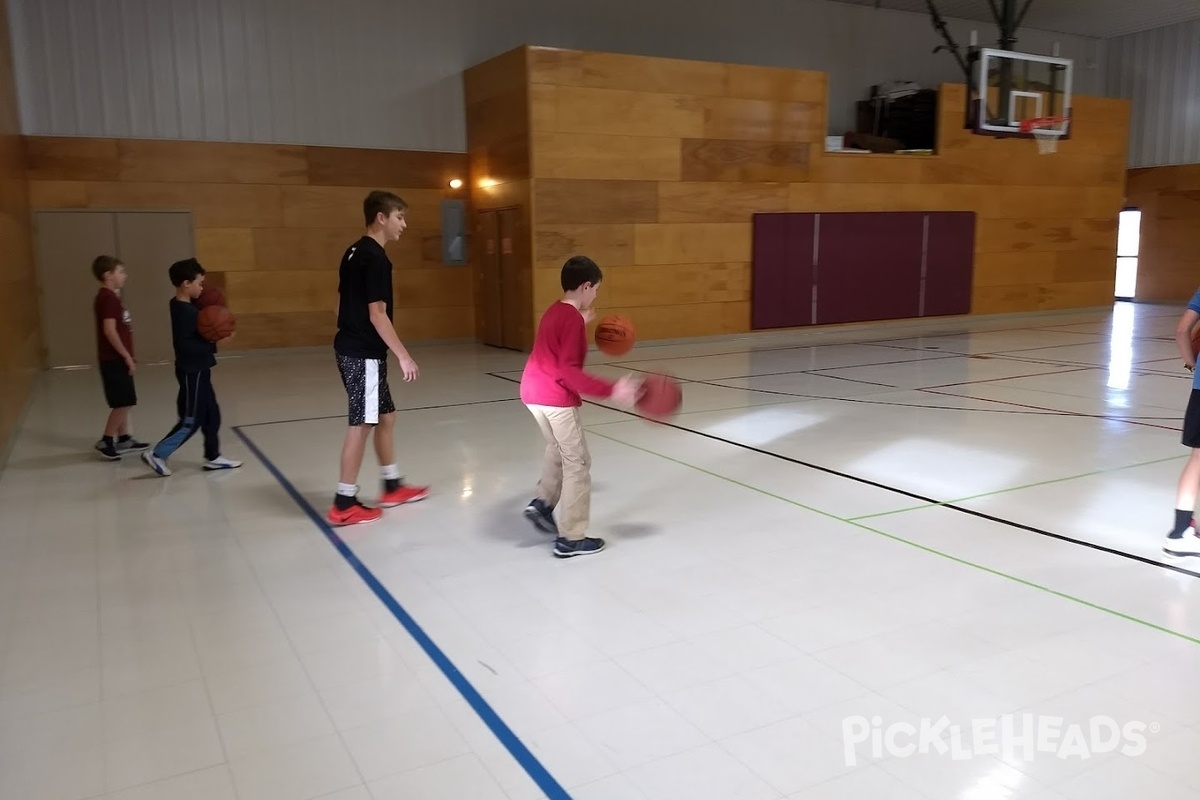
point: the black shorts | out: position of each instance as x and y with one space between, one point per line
118 384
1191 421
367 389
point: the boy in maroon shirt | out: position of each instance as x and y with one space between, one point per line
552 387
114 347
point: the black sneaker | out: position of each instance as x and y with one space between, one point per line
542 516
131 445
107 451
565 548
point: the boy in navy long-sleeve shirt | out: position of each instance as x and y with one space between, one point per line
195 357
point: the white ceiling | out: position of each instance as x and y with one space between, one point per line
1102 19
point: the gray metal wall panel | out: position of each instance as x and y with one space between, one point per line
377 73
1159 71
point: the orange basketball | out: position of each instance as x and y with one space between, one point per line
614 335
211 296
216 323
661 396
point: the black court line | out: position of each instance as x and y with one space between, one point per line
398 411
902 492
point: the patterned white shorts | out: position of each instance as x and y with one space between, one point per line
367 389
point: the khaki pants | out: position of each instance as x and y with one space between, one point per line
566 481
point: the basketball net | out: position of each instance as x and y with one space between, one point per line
1046 132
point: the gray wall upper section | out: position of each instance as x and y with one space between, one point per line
386 73
1159 71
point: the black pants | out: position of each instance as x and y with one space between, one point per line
198 410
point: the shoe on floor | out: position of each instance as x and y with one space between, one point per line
403 494
131 445
221 462
155 463
107 451
1186 545
542 516
356 514
566 548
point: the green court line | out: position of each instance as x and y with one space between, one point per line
1016 488
909 542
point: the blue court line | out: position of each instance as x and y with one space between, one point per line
518 750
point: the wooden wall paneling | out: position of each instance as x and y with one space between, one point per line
605 157
625 113
718 201
226 248
343 166
55 158
1015 268
607 245
762 120
1023 235
341 206
874 168
744 161
296 249
211 162
683 243
279 291
20 326
674 284
58 194
561 201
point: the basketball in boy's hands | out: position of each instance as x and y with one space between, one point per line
211 296
614 335
661 396
216 323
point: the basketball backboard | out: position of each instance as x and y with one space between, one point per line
1008 87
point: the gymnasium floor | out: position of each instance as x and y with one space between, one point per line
902 522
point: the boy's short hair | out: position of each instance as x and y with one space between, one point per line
102 265
182 271
580 270
380 202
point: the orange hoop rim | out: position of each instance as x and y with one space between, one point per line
1031 125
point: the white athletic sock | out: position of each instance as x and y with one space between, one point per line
347 489
391 472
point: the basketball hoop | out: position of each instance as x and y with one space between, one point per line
1047 131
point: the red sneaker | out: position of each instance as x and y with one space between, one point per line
403 494
356 514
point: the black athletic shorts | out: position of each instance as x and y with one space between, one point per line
118 384
367 389
1191 421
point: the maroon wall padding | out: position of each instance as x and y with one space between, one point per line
868 266
949 263
781 284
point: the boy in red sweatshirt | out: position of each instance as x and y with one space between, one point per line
552 387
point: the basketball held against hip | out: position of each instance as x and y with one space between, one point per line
615 335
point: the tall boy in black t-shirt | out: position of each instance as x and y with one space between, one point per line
364 337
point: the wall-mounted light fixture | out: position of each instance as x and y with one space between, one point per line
456 183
